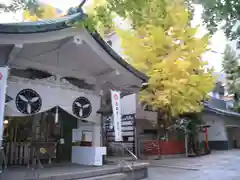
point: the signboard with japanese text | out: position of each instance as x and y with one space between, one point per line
116 107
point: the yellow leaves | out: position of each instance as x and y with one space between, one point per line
161 44
180 15
101 15
47 12
29 17
93 4
171 57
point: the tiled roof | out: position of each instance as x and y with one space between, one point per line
209 108
40 26
62 23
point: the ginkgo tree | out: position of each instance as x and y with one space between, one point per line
45 12
178 80
162 44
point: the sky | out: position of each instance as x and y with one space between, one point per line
218 40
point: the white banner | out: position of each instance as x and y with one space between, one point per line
44 97
116 106
3 89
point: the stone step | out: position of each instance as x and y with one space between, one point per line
116 176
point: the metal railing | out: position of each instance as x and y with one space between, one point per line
130 166
129 152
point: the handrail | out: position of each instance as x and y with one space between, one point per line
134 158
130 152
128 165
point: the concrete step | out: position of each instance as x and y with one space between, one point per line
116 176
117 159
78 172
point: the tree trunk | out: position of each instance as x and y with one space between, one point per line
161 126
159 130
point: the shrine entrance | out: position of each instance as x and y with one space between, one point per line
53 65
40 134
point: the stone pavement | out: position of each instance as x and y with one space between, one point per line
220 165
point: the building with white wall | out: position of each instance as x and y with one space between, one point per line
223 133
78 67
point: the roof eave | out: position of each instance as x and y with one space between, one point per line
41 26
118 58
220 111
63 23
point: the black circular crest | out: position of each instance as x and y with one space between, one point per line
28 101
82 107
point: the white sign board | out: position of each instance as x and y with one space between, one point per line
128 104
116 106
3 89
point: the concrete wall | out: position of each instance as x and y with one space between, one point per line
217 134
223 131
217 131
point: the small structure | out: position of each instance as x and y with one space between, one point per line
135 120
224 124
59 80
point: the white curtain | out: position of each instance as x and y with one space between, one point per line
51 97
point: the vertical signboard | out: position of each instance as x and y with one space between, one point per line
128 131
3 89
116 107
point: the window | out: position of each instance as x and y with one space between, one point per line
125 138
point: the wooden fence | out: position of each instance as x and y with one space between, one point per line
17 153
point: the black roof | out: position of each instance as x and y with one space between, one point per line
40 26
63 23
208 108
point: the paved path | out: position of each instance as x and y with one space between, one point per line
221 165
